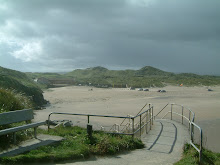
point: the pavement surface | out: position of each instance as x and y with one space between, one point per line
31 144
164 145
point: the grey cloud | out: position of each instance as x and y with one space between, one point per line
116 34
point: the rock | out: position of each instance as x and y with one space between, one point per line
67 124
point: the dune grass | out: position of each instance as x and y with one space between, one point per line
76 145
10 101
191 157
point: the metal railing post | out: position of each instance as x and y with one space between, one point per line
171 112
200 153
182 114
189 119
88 119
146 121
133 128
190 129
152 115
140 125
48 122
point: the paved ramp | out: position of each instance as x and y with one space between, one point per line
31 144
164 145
163 138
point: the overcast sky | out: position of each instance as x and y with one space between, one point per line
63 35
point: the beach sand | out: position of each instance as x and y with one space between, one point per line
122 101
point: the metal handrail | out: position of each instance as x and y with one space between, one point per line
137 113
191 141
187 109
150 109
161 110
191 125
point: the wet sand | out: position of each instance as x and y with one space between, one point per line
74 99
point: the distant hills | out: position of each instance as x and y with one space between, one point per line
101 77
145 77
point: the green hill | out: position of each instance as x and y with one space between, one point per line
151 71
20 83
145 77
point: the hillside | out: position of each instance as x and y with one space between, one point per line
20 83
145 77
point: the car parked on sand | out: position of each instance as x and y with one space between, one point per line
162 91
140 89
146 89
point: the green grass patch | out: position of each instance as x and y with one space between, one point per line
76 145
191 157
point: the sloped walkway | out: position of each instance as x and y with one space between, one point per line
164 145
31 144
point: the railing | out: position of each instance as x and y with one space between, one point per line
144 118
190 119
127 126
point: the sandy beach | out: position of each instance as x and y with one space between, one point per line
122 101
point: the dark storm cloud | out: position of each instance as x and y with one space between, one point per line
55 35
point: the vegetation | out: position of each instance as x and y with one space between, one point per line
76 145
21 84
191 157
10 101
145 77
6 141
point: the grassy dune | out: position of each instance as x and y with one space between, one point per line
145 77
21 84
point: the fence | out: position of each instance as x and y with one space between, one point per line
189 116
143 120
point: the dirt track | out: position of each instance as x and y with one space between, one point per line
204 103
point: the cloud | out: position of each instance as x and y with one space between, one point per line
54 35
28 52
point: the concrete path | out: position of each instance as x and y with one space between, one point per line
164 145
31 144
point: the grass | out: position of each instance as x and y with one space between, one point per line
76 145
191 157
10 101
145 77
6 141
20 83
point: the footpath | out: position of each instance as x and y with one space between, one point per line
164 145
31 144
